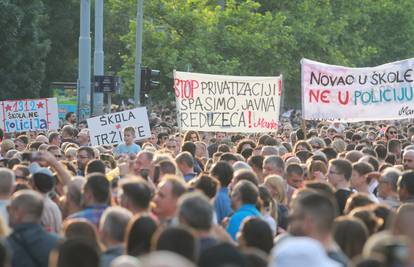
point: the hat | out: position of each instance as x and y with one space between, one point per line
300 251
35 168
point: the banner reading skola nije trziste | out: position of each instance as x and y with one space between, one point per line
218 103
29 115
107 129
357 94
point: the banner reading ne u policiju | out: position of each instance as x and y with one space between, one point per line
29 115
217 103
357 94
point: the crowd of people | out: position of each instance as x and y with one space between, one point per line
316 194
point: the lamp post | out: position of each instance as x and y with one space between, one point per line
98 59
138 52
84 74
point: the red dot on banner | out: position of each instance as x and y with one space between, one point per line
8 107
40 105
118 126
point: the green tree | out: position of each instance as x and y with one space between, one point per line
63 33
23 46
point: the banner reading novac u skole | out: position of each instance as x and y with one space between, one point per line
384 92
217 103
107 129
29 115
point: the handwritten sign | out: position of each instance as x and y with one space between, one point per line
227 103
107 129
357 94
29 115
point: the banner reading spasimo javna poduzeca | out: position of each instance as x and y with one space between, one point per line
384 92
218 103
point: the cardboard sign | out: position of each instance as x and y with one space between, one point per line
107 129
217 103
338 93
29 115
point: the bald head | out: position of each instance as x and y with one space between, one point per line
408 160
26 207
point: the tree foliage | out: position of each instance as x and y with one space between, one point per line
240 37
23 48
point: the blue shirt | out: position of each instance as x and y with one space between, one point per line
124 149
91 213
245 211
222 204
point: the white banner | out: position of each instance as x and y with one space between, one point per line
217 103
29 115
107 129
338 93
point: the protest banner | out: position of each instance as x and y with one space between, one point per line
29 115
217 103
107 129
337 93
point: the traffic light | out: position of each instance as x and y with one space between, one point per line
149 79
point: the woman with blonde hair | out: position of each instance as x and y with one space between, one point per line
277 189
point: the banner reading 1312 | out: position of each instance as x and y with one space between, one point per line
384 92
227 103
29 115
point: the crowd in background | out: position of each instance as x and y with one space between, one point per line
309 194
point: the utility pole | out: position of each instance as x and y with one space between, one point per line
98 59
84 74
138 51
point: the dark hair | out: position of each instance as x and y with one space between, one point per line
321 208
23 138
257 234
350 234
249 193
224 172
343 166
223 254
406 181
246 175
256 162
95 165
43 182
138 191
189 147
207 184
357 200
223 148
240 145
179 240
362 168
12 162
381 151
303 155
294 168
228 156
52 136
187 135
89 151
98 185
330 153
81 228
67 115
77 252
246 153
140 231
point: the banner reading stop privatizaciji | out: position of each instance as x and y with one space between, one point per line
218 103
337 93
